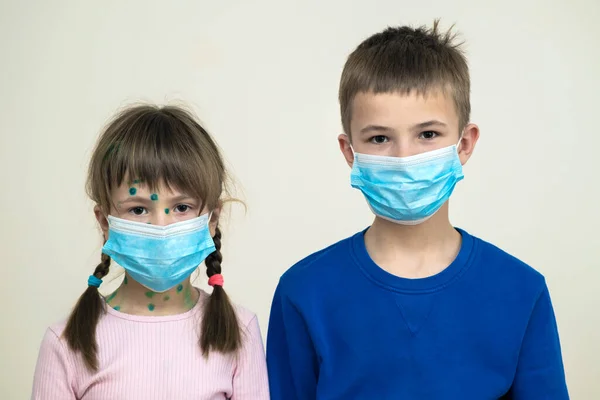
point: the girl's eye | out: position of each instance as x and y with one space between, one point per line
428 135
182 208
379 139
138 211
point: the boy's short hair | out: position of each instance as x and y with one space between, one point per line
403 60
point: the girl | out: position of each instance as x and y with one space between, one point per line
157 178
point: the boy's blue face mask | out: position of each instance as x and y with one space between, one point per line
407 190
159 257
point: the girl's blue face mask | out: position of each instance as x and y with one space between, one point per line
159 257
407 190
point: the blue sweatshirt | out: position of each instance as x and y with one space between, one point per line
342 328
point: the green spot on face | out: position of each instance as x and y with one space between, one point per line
117 308
167 297
150 294
179 288
153 197
151 307
166 210
125 280
132 191
112 296
137 181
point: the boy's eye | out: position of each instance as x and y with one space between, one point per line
138 210
428 135
182 208
379 139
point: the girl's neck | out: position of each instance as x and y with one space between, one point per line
133 298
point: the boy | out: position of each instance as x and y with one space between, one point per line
411 308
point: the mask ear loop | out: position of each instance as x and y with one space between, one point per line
208 219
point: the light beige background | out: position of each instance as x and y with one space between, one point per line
262 75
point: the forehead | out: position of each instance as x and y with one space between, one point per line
401 111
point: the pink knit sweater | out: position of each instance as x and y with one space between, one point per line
145 357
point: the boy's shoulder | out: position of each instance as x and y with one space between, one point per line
496 259
324 263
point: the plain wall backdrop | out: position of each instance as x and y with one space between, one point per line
262 76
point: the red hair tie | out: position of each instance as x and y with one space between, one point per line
216 280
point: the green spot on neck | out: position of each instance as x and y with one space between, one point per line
153 197
111 297
132 191
179 288
125 280
187 297
166 210
151 307
150 294
116 308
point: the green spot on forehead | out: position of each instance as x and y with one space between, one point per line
151 307
153 197
166 210
132 191
113 148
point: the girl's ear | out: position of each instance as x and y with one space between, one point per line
214 219
102 221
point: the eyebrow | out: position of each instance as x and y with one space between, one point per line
428 124
183 197
386 129
375 129
140 199
135 199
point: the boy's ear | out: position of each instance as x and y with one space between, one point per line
466 146
102 221
346 148
214 219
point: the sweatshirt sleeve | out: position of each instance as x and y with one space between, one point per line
540 372
250 380
291 358
53 377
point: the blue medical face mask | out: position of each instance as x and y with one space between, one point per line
407 190
159 257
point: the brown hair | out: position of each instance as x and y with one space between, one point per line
157 145
405 59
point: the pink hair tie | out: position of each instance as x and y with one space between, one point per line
216 280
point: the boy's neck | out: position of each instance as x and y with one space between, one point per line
133 298
414 251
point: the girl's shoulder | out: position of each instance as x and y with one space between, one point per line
245 315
